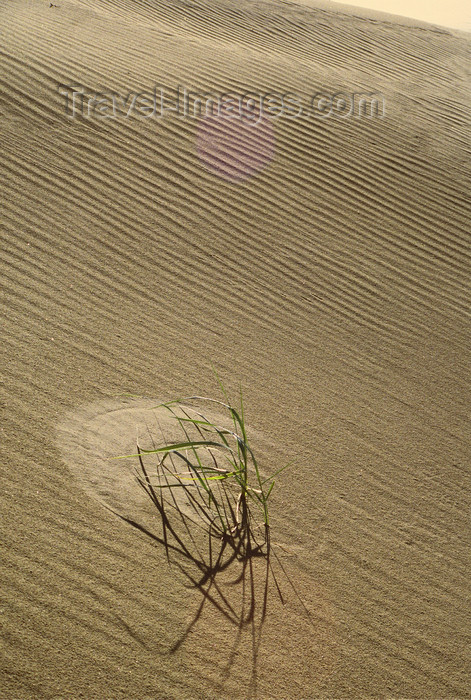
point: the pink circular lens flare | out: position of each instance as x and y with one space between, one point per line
235 148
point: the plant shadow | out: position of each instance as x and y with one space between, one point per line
234 574
211 529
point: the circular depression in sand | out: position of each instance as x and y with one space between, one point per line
90 437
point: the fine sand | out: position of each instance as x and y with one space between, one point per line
321 263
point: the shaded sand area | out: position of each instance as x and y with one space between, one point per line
323 264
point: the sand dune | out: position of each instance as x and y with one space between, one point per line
322 263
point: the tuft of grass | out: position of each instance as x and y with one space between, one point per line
215 469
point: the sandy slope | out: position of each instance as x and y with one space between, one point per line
333 285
